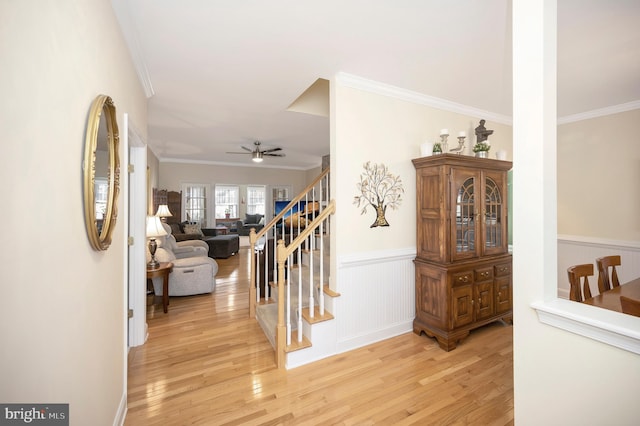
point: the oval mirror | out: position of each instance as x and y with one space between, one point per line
101 172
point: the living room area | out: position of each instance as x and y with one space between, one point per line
225 190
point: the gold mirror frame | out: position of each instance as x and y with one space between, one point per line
99 230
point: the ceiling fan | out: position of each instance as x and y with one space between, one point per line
257 155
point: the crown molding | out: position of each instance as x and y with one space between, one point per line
610 110
131 39
356 82
229 164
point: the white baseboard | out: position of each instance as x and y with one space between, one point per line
375 336
121 414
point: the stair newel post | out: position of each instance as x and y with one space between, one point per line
281 338
253 297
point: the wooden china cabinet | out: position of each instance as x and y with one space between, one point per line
463 267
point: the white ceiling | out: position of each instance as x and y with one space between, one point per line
223 73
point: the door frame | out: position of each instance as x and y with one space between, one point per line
136 254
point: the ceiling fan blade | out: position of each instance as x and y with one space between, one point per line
272 150
246 149
273 155
237 152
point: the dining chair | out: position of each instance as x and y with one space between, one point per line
630 306
579 292
606 281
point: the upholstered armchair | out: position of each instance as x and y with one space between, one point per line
250 221
190 275
182 249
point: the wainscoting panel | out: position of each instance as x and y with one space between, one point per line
574 250
377 297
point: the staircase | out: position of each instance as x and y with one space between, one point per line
297 296
298 292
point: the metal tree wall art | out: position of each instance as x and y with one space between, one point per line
378 189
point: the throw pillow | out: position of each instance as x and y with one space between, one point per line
261 221
193 228
251 218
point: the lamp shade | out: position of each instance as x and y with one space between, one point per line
154 227
163 211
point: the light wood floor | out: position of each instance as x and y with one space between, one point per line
207 363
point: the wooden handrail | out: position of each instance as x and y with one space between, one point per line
293 202
311 227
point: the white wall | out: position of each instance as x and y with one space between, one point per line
62 309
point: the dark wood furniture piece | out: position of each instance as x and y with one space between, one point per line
463 267
579 281
221 230
610 299
163 271
265 285
606 281
173 200
630 306
230 224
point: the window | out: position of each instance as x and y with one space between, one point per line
195 203
226 201
101 191
256 199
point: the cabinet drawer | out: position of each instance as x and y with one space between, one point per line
462 278
484 274
502 269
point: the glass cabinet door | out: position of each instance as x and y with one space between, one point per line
480 214
492 214
465 210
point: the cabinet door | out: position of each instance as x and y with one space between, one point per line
462 306
484 300
464 213
503 294
494 213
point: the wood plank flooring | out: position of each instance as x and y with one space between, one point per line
207 363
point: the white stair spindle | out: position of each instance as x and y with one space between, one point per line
321 276
299 310
311 290
288 302
256 254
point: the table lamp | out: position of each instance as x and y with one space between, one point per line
154 229
163 212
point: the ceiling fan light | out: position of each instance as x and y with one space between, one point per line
257 156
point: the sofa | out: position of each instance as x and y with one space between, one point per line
250 221
184 231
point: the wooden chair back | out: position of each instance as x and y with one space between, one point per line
579 281
630 306
606 281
